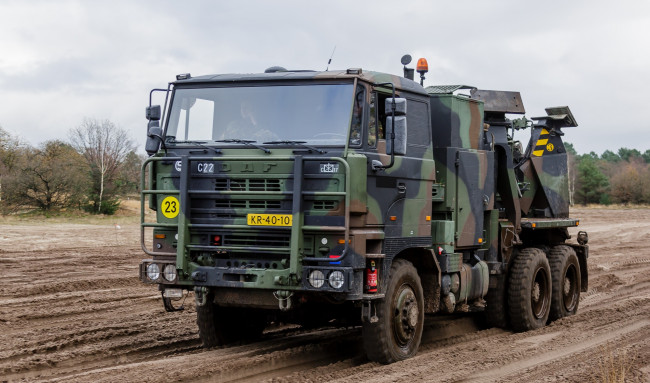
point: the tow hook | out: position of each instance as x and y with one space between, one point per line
201 295
369 312
284 299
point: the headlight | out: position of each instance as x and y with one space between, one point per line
153 271
169 272
336 279
316 278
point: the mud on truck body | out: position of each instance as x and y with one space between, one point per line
355 197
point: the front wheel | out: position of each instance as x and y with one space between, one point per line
219 326
529 290
397 334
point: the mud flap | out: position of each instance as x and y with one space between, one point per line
582 251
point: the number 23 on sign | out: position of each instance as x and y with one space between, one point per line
170 207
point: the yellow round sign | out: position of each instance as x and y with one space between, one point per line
170 207
550 147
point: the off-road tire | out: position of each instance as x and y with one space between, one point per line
219 326
209 332
565 273
529 290
496 311
397 334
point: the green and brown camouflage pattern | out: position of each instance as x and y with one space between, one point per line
452 198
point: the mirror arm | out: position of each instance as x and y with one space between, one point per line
374 164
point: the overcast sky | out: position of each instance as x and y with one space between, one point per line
61 61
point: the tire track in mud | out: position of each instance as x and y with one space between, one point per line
555 355
236 363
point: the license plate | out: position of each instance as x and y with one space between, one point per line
269 219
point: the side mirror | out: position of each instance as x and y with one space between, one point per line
396 123
399 122
153 113
154 138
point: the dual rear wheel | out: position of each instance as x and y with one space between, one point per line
542 288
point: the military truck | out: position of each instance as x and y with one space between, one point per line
355 197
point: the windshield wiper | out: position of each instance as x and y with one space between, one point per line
299 143
246 142
197 143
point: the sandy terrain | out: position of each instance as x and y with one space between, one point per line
73 309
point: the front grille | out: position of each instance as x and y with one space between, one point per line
264 184
247 184
324 205
247 204
258 239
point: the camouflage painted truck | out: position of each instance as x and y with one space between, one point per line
356 198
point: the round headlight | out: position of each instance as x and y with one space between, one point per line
153 271
316 278
336 279
169 272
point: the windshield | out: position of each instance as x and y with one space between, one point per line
316 114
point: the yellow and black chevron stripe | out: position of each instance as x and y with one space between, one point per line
542 144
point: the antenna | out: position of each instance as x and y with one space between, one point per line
330 60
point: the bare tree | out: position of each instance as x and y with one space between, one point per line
105 147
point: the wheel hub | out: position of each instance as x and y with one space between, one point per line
406 315
570 288
412 315
567 286
540 293
536 292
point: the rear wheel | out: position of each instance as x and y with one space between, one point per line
219 326
529 290
397 334
565 271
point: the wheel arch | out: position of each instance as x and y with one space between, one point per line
428 268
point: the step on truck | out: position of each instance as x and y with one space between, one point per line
356 198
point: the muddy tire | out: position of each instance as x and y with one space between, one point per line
397 334
219 326
529 290
496 311
565 272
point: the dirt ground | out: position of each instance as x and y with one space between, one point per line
72 309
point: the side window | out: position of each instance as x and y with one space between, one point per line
357 116
417 117
377 119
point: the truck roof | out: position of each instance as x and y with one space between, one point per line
369 76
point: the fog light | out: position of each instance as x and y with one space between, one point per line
336 279
316 278
153 271
169 272
174 294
